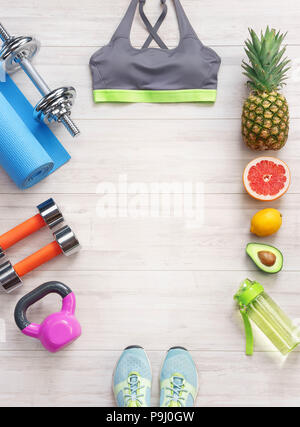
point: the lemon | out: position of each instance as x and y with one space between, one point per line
266 222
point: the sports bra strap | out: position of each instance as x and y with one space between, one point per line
124 29
153 30
185 27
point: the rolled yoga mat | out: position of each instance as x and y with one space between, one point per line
29 151
21 155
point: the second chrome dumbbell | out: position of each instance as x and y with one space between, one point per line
65 243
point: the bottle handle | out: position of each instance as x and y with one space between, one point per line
248 332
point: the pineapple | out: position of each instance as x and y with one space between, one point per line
265 120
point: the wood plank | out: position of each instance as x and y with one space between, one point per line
156 310
92 23
147 279
143 242
61 66
157 151
58 380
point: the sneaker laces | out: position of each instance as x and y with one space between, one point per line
133 396
176 397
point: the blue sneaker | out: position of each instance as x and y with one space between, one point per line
178 379
133 379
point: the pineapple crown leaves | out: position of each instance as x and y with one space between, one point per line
268 68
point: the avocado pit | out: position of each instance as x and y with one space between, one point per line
267 258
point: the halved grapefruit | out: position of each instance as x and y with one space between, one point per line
266 178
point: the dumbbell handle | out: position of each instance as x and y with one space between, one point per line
65 243
35 77
37 259
49 214
21 231
4 34
40 84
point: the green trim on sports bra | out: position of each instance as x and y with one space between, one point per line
155 96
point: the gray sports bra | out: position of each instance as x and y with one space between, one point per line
188 73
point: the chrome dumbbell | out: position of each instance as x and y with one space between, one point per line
56 105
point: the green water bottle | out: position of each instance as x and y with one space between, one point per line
256 305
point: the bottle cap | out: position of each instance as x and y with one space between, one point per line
248 292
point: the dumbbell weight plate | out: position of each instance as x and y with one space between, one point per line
9 279
55 104
50 213
18 48
67 241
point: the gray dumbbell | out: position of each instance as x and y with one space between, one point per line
56 105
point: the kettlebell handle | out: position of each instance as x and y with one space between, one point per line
35 296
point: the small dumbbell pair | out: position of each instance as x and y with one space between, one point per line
65 242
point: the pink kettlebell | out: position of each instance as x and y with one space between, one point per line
59 329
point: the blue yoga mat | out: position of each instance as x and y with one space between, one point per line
29 151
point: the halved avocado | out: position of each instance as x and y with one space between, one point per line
266 257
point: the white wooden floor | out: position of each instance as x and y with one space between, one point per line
153 281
